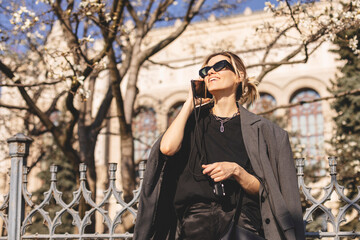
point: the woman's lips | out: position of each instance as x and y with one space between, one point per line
213 79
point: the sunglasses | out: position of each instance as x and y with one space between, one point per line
217 67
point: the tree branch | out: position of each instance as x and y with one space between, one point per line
158 12
54 102
292 16
29 85
311 39
37 160
6 70
191 12
173 67
286 62
103 110
133 14
272 44
338 95
3 105
148 9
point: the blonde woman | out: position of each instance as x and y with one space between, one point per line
210 154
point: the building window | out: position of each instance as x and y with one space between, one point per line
145 132
265 103
307 123
173 112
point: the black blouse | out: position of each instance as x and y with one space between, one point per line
209 145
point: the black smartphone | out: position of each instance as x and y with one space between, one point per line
199 89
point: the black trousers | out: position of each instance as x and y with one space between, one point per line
204 221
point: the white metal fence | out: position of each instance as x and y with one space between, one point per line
17 210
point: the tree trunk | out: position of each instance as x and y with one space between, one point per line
127 145
127 165
87 141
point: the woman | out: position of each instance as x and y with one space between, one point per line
220 147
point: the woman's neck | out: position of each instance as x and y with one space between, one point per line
225 107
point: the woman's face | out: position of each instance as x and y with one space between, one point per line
223 82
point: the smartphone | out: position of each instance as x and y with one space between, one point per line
199 89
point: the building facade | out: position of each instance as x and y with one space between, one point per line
164 81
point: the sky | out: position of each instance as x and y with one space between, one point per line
256 5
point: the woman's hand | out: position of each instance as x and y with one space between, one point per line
173 136
198 101
221 171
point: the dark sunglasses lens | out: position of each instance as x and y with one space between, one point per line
204 71
219 65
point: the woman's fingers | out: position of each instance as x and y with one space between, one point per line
217 177
207 168
199 101
219 171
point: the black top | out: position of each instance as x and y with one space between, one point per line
216 146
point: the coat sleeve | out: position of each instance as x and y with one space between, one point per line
156 218
149 194
289 184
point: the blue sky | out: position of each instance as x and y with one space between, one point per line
256 5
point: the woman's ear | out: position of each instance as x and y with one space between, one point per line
241 77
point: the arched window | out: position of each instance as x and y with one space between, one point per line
173 112
307 122
265 103
145 132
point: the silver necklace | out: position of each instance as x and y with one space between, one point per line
223 120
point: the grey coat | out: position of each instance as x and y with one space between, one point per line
270 155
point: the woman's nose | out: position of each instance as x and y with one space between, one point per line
211 71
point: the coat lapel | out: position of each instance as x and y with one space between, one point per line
251 139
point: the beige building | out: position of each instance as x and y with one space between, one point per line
164 86
165 80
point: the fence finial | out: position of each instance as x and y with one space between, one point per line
142 169
300 163
82 170
112 171
53 171
19 145
332 165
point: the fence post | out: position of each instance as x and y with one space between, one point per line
18 150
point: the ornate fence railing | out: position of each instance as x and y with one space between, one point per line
16 221
345 205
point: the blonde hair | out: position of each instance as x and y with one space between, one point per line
247 92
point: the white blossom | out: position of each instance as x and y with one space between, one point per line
81 80
2 47
23 19
87 39
352 144
90 4
107 17
269 7
84 93
353 43
83 4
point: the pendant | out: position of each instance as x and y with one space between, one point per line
222 129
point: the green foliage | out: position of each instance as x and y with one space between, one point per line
346 140
66 183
